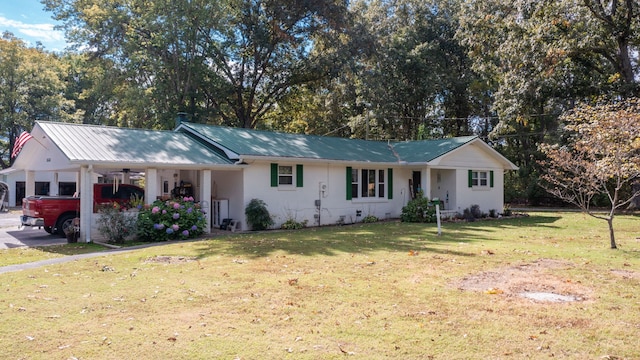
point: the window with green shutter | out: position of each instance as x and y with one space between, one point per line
480 179
368 183
284 175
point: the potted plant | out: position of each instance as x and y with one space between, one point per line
73 231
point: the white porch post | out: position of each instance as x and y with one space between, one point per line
205 197
151 184
29 183
78 182
427 183
86 202
53 189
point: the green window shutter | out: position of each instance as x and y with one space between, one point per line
470 178
491 178
349 195
299 175
390 184
274 175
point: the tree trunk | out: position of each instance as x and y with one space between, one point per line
611 235
625 67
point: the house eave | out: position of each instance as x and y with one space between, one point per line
151 165
251 158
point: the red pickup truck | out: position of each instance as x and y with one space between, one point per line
55 213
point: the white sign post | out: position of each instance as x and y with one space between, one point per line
438 219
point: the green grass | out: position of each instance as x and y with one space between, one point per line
22 255
371 291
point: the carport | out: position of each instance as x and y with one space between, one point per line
88 150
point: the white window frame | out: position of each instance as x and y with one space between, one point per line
478 180
284 175
372 188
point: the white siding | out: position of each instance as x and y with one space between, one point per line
474 157
488 198
299 203
40 176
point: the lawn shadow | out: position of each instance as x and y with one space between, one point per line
493 225
365 238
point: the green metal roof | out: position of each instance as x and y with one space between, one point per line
426 150
256 143
105 144
209 145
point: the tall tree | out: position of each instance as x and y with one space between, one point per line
31 88
602 156
225 61
399 74
542 57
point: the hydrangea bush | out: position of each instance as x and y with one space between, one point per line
171 220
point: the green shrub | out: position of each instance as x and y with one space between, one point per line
370 219
418 210
258 217
115 223
171 220
472 213
292 224
506 210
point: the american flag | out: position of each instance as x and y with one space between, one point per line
20 141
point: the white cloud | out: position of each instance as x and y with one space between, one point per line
32 32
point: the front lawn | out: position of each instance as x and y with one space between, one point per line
369 291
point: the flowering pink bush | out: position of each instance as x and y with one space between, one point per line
171 219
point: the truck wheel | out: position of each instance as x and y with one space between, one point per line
48 229
63 223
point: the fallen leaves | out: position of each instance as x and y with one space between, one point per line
494 291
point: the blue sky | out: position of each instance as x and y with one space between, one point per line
27 20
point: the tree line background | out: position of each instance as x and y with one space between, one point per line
377 69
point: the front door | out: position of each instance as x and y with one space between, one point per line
417 180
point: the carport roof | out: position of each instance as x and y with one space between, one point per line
113 145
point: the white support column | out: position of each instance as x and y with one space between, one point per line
427 183
151 185
29 183
86 202
78 182
55 186
205 196
438 221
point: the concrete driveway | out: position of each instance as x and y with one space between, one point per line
12 235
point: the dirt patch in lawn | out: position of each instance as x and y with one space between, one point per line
627 274
533 281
